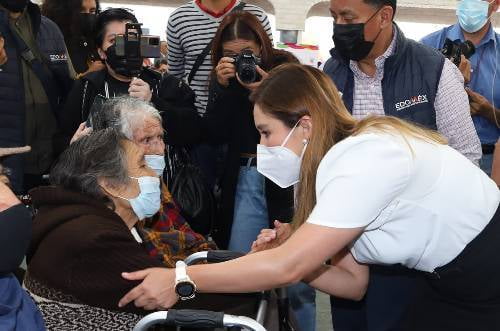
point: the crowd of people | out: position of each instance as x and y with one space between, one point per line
375 180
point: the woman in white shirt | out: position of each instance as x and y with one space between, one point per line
375 191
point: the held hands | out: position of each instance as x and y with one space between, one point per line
3 53
140 89
272 238
82 131
156 290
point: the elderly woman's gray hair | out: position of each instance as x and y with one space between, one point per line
125 114
98 156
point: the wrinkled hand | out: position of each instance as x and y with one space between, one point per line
7 198
253 86
225 70
465 69
82 131
140 89
156 290
479 105
3 53
272 238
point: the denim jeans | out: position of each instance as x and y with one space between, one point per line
486 162
250 210
250 217
303 303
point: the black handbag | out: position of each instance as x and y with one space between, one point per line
189 190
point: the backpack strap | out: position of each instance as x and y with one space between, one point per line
201 57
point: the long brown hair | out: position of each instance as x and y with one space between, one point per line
242 25
292 91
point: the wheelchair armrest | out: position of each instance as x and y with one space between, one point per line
213 257
196 319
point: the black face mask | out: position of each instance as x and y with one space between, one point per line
350 40
15 6
121 65
87 22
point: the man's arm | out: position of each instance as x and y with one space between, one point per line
453 114
176 56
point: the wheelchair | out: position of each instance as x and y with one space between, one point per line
278 299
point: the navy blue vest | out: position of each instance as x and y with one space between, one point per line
12 105
410 83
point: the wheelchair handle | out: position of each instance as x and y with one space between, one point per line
212 257
196 319
223 256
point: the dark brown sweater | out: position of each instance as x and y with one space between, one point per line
80 247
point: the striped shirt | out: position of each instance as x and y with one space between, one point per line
453 117
189 30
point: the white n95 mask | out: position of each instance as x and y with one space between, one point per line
279 164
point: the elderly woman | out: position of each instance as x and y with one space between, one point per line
166 235
84 235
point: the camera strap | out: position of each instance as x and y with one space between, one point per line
201 57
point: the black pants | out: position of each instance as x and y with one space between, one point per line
465 293
390 291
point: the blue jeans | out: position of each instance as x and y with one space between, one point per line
250 210
303 301
486 163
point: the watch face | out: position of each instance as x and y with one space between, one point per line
185 289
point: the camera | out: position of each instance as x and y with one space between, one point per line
135 47
246 63
454 50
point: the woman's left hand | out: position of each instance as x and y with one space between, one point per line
157 290
253 86
140 89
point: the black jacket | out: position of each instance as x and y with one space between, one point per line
51 44
229 110
169 95
15 233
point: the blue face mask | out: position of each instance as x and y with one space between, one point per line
156 162
148 202
473 14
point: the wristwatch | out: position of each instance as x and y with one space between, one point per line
184 286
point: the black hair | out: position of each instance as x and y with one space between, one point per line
159 62
100 155
65 14
108 16
380 3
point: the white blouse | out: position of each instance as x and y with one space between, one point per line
420 206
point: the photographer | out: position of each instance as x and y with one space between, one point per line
118 78
242 52
76 19
35 78
474 25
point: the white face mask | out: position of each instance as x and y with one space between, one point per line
156 162
279 164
